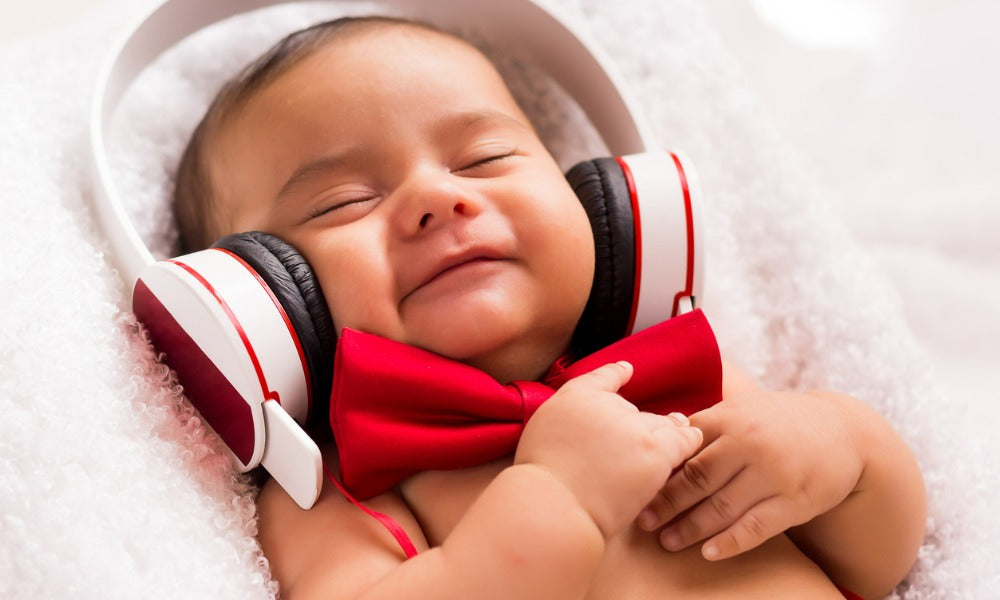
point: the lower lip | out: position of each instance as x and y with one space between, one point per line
473 268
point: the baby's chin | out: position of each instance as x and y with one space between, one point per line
504 330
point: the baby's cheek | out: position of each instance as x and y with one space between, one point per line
361 298
568 244
341 266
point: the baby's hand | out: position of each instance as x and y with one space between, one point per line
611 456
770 461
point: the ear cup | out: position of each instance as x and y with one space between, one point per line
292 282
603 189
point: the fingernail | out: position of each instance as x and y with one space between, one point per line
710 551
679 418
670 539
647 519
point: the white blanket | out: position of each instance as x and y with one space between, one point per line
109 485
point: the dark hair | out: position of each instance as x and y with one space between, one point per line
194 194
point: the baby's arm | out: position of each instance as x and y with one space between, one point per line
869 542
587 462
822 466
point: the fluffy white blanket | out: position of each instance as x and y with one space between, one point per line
109 486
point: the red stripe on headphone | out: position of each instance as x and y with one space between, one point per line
284 317
689 279
268 393
634 197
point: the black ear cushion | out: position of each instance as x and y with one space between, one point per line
291 280
602 188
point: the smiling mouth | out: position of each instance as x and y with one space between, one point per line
471 263
467 263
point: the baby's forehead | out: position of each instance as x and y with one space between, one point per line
389 32
402 57
361 52
455 84
398 39
546 108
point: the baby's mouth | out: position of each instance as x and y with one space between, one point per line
454 265
469 263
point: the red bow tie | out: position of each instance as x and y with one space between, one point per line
397 410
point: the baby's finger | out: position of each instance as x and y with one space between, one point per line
609 377
717 512
756 526
712 420
679 439
698 478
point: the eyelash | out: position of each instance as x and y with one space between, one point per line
322 210
489 160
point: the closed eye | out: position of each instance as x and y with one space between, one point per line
349 209
486 161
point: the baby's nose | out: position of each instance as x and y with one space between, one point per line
433 202
429 219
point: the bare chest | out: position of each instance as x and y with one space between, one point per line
634 565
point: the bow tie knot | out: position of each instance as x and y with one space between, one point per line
397 410
532 394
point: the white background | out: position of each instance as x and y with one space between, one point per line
895 104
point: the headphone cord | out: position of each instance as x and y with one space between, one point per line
388 522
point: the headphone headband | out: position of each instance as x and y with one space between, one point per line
568 56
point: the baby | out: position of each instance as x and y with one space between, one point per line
380 148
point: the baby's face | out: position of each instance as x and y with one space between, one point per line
398 164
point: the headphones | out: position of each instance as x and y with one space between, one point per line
244 323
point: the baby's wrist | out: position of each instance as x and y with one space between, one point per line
551 495
862 426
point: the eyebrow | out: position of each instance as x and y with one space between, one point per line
470 119
318 166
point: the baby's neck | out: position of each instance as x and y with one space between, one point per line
519 362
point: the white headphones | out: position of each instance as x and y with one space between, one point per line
243 351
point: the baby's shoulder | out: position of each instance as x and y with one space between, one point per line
335 541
